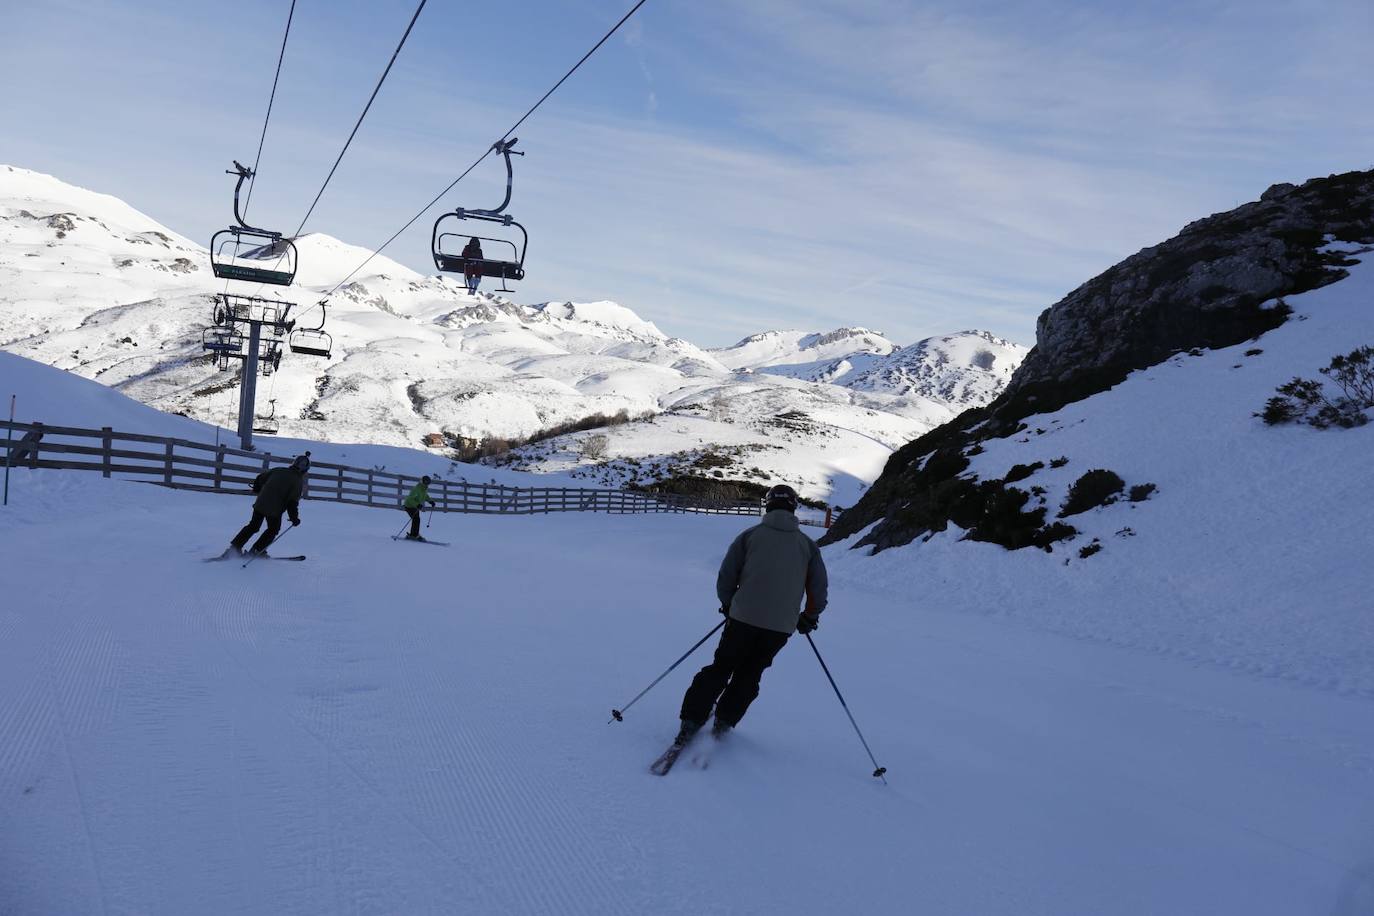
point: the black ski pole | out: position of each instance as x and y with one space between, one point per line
616 713
404 526
429 519
253 555
877 770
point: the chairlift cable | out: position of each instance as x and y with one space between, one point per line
270 99
487 152
366 108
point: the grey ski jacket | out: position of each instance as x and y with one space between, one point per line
767 572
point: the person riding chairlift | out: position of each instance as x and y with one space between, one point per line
472 251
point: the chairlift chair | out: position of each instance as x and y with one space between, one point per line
312 341
269 423
246 253
269 356
232 309
449 261
221 340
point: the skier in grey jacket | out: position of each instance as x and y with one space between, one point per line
766 574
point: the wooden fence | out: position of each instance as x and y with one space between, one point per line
186 465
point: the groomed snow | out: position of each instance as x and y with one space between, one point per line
394 728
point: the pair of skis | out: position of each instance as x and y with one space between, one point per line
232 556
401 537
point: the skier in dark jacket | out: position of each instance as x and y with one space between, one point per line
417 497
472 273
279 491
766 573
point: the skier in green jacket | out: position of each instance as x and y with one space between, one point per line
419 495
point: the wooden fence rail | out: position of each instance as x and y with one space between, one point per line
186 465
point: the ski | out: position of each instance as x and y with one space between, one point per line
665 761
295 559
396 537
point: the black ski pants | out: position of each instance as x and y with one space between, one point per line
731 681
268 536
414 514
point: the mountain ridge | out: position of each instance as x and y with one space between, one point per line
109 293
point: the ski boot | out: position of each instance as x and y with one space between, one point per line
685 733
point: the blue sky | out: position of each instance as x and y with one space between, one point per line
722 168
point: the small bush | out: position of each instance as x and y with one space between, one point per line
1053 532
594 447
1089 550
1254 352
1141 492
1306 401
1098 487
1059 462
1022 471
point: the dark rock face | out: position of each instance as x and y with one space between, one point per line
1202 288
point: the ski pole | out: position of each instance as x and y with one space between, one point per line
404 526
429 518
616 713
877 770
253 555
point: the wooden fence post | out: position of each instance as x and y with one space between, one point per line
219 467
370 473
339 488
167 466
107 443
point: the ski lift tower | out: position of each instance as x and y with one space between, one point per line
259 350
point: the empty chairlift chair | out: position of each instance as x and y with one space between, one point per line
253 255
267 425
221 341
447 246
312 341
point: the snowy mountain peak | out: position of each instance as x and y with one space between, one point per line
796 348
325 260
605 314
861 338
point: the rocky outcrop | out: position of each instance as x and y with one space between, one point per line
1213 285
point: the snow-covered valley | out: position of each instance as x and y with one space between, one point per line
91 285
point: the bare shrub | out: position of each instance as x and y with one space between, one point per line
593 448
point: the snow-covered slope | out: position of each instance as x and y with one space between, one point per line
91 285
390 728
47 395
1251 551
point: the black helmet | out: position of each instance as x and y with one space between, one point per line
425 480
302 463
781 497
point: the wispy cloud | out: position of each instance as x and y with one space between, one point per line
915 168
